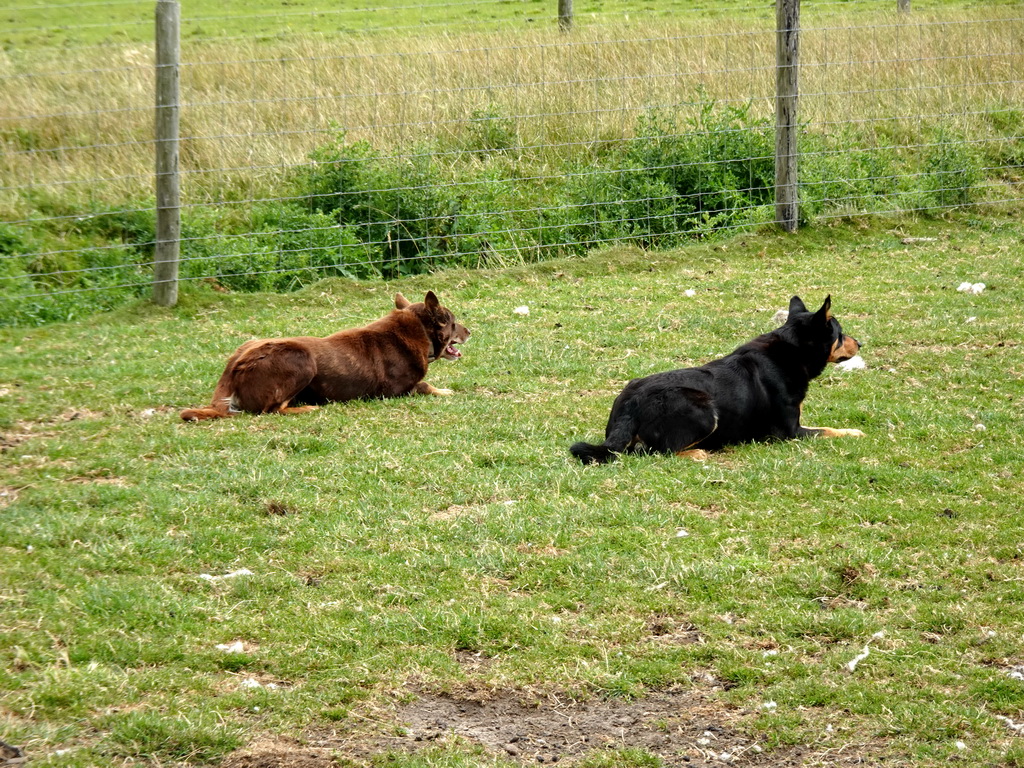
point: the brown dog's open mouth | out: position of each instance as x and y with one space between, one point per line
450 352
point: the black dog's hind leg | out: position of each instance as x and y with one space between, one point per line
672 420
678 423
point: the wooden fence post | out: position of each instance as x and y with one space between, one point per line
565 15
787 60
168 202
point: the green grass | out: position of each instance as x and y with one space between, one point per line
385 537
97 24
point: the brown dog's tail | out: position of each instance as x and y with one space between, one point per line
221 404
593 454
219 408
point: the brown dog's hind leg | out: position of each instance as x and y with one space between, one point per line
261 377
269 375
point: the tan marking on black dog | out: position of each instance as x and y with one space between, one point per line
844 348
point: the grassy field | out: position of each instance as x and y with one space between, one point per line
253 108
448 549
105 24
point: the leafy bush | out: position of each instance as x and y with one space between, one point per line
949 171
673 181
490 131
626 204
723 162
287 248
334 177
1006 154
407 211
484 199
400 208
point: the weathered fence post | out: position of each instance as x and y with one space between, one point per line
565 15
787 55
168 203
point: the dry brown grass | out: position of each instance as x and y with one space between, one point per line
80 126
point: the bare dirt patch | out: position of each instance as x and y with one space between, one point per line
682 728
666 630
20 434
11 755
23 431
281 753
473 663
456 511
8 495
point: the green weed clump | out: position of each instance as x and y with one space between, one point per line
482 198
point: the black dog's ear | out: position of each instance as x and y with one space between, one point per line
796 305
825 313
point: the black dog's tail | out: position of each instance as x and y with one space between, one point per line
593 454
621 433
619 436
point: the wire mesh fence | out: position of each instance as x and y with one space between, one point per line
318 140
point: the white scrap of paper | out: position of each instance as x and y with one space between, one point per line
855 363
252 682
851 665
232 575
972 288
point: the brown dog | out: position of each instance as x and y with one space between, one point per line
387 358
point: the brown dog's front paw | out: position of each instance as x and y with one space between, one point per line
426 389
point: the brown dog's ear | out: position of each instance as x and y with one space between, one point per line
431 302
401 302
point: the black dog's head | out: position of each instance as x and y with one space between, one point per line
818 333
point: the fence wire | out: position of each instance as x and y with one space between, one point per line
378 142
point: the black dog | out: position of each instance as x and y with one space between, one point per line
754 393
